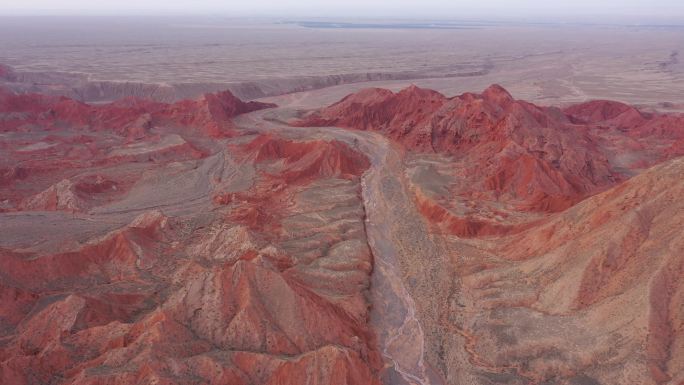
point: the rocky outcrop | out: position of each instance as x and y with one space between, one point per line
131 117
516 151
310 159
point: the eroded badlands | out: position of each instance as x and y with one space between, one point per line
398 238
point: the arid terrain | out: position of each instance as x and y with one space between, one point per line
175 58
504 208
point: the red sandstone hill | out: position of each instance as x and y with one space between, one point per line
308 160
538 158
210 113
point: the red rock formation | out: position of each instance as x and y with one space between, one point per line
58 197
265 284
210 113
463 226
309 160
601 114
284 167
598 111
526 157
529 154
146 242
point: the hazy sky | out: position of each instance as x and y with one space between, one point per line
634 9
